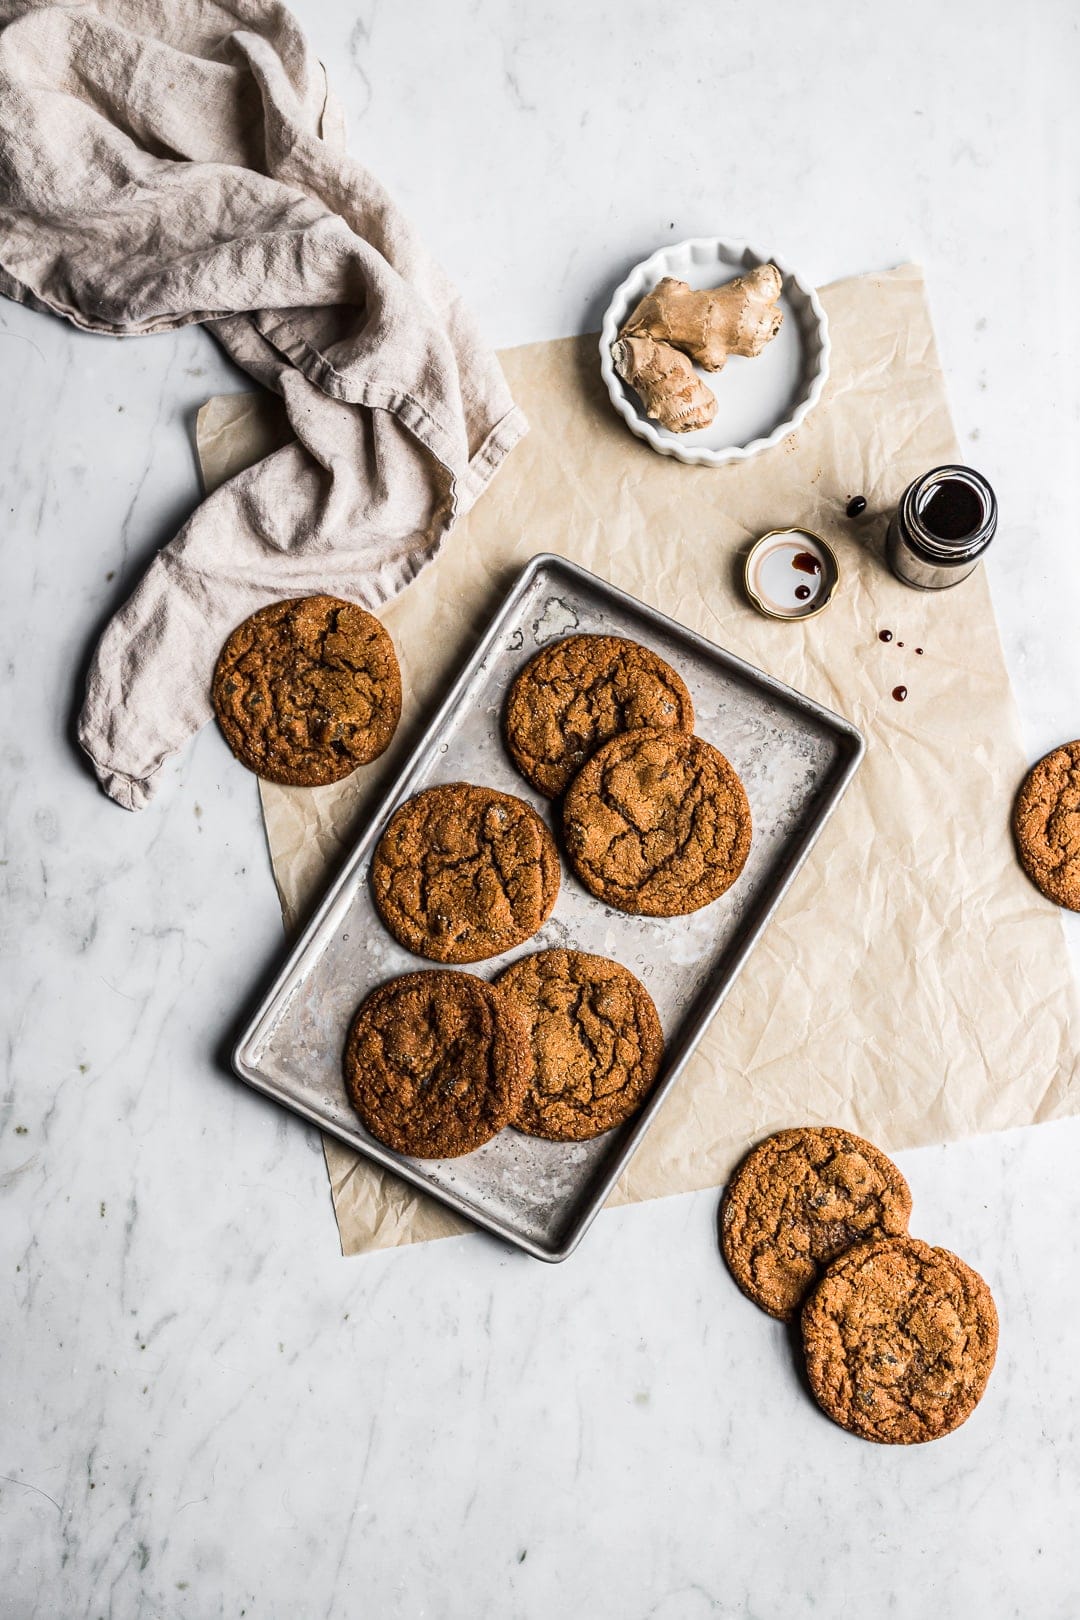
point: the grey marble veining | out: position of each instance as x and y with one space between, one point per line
204 1411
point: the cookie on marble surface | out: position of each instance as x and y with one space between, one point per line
436 1063
657 823
900 1340
307 690
797 1201
1046 824
462 873
596 1043
579 692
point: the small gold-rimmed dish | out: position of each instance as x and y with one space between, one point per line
791 574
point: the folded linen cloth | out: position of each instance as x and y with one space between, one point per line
171 161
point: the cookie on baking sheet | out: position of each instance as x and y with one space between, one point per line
657 823
1046 824
307 690
799 1199
436 1063
579 692
462 873
596 1043
900 1340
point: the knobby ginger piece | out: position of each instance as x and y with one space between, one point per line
739 318
669 388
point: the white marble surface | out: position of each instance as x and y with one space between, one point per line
204 1411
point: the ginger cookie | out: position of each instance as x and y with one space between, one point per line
463 873
596 1043
579 692
900 1340
436 1063
1046 824
657 823
307 690
799 1199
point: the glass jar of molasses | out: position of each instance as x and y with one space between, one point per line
943 524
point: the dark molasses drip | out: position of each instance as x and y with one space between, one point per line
806 563
884 635
899 693
802 593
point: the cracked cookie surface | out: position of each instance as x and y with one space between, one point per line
596 1043
657 823
900 1340
462 873
796 1202
1046 824
576 694
436 1063
307 690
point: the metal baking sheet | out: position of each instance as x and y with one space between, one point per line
795 759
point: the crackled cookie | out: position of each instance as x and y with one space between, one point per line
657 823
462 873
436 1063
579 692
596 1043
799 1199
900 1340
307 690
1046 823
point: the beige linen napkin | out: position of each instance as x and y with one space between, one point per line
913 985
168 163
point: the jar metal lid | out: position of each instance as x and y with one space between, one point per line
791 574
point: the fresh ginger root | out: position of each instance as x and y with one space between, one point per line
669 388
738 318
674 322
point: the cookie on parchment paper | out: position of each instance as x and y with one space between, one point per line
306 690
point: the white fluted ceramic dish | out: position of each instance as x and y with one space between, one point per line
758 401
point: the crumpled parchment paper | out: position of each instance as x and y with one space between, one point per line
914 986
